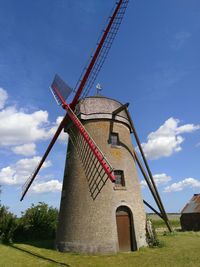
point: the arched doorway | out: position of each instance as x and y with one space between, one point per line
125 229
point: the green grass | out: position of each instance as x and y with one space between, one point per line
159 224
179 250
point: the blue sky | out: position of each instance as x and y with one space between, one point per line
154 64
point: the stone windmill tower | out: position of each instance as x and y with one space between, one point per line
96 215
101 205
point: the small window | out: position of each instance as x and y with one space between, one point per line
114 139
119 176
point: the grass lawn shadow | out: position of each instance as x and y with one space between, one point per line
34 254
48 244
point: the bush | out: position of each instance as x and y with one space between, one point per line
151 236
8 223
37 223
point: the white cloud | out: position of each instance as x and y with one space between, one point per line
179 186
63 136
19 172
167 140
143 183
187 128
45 187
7 176
3 97
18 127
159 179
25 150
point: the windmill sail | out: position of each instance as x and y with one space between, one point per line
60 86
93 67
92 146
88 77
105 47
30 180
94 149
94 171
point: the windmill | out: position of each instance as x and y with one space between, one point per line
97 215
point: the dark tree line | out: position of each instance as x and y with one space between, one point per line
37 223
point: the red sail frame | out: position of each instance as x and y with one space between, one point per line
96 54
76 97
96 151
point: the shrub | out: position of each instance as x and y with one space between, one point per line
151 236
37 223
8 223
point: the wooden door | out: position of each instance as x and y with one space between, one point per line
124 230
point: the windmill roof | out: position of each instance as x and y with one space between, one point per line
101 108
102 96
193 206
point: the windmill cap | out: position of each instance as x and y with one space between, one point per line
101 108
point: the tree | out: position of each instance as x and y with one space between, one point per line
0 194
7 225
37 223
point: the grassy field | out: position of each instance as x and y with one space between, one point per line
159 224
179 249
